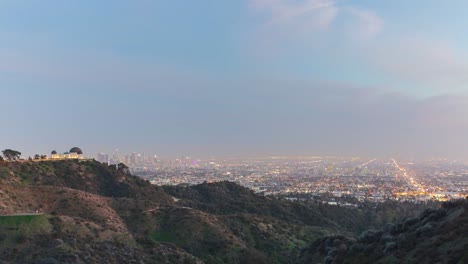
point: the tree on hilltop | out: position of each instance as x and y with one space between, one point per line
11 155
1 159
123 168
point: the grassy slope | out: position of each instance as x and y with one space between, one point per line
16 228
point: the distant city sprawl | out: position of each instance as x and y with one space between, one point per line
340 181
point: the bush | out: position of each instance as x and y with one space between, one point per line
426 229
370 236
20 238
410 222
389 247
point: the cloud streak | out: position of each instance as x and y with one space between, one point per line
307 16
369 24
314 14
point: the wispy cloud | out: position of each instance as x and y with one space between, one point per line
281 26
310 14
369 24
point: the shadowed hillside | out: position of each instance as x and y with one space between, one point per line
226 198
436 236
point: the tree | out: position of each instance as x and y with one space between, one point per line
11 155
1 159
123 168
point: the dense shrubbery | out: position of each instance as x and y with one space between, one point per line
436 236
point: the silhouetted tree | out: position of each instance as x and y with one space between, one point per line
123 168
11 155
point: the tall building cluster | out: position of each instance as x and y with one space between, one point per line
132 159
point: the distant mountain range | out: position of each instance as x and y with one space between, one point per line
75 211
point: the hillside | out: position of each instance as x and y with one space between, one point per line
93 213
436 236
81 223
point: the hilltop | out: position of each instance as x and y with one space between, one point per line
94 213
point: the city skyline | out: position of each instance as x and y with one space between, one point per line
243 78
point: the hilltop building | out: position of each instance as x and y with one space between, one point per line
74 153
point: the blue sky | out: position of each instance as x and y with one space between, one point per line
235 78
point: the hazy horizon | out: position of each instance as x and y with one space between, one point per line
236 78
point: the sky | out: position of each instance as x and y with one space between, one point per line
249 78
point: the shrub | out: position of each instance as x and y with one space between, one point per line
389 247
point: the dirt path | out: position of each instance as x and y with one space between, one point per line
21 214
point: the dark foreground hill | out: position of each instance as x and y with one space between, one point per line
435 236
94 213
